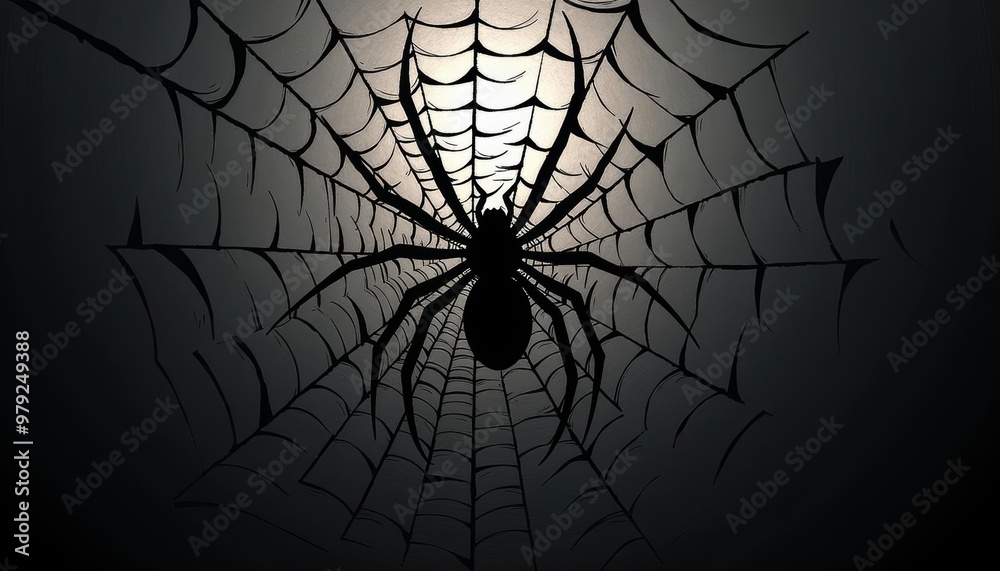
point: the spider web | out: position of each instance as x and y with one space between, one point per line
306 95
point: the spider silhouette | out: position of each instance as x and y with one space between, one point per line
494 252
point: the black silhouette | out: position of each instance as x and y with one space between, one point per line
497 316
497 256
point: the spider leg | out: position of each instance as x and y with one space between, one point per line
580 306
564 207
571 122
389 254
592 259
441 176
569 363
508 201
480 205
409 299
416 344
385 193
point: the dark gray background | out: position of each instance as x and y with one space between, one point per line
939 70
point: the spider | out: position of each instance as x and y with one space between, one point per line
494 253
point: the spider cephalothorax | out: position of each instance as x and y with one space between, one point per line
497 316
498 255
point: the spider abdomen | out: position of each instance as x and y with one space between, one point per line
497 321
